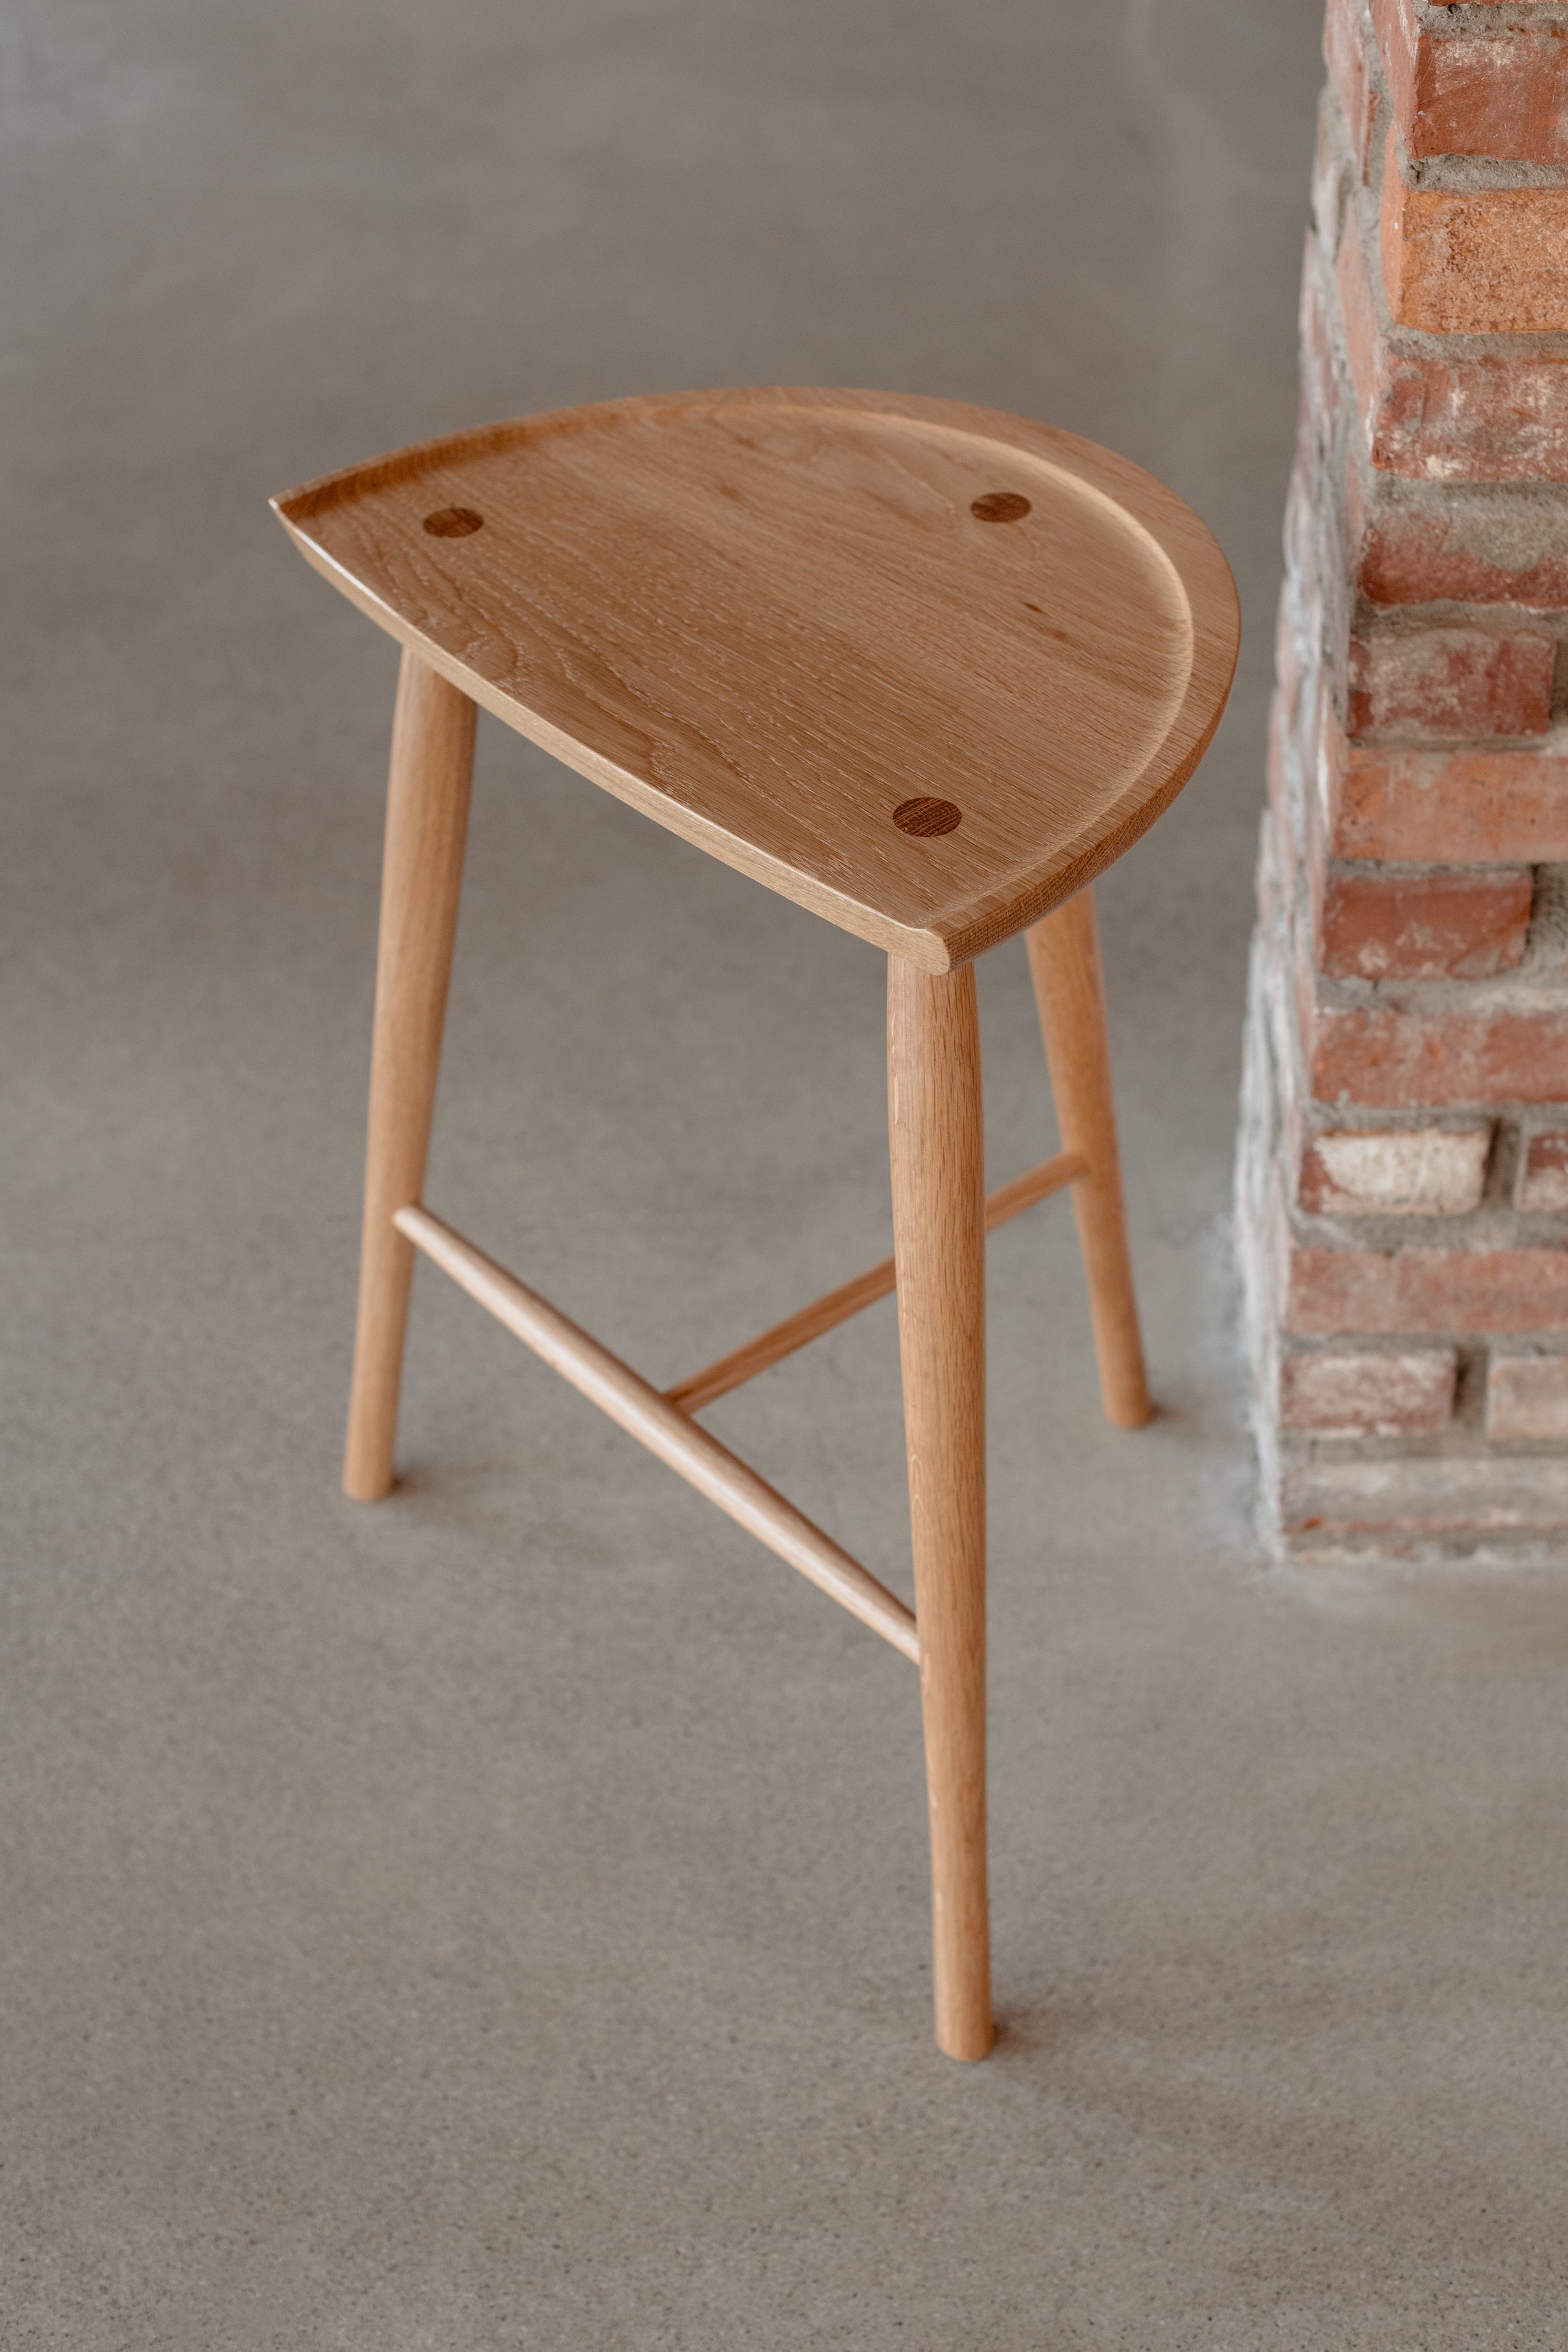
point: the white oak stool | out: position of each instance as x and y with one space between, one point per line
924 668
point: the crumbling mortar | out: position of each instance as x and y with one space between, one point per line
1452 612
1331 437
1469 1410
1499 1180
1376 73
1398 870
1539 990
1510 524
1459 176
1368 1343
1455 1438
1332 191
1488 18
1546 941
1318 1549
1256 1161
1494 1225
1403 1120
1533 1229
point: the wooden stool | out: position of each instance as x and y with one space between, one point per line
924 668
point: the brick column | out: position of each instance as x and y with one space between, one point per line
1403 1176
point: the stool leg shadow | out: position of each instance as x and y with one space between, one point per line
1064 963
422 876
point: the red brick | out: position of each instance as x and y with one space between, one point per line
1423 927
1345 57
1451 684
1392 1059
1334 1292
1482 261
1527 1397
1366 1394
1450 416
1543 1178
1466 808
1461 95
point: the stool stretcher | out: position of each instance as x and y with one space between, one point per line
645 1414
879 1282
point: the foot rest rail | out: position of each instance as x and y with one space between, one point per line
825 1314
664 1429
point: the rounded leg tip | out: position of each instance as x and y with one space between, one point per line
1131 1415
971 2047
361 1489
965 2026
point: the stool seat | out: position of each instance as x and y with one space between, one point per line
923 667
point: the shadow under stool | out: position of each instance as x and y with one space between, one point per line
926 669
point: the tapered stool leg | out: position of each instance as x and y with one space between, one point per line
1064 960
422 872
939 1240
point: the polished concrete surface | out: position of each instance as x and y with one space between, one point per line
498 1919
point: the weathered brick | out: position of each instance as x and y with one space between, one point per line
1287 661
1365 1394
1344 53
1431 1171
1416 1291
1317 426
1411 559
1467 807
1423 927
1543 1177
1398 38
1466 95
1482 261
1321 618
1391 1058
1277 872
1430 1499
1451 684
1399 553
1414 782
1450 416
1527 1397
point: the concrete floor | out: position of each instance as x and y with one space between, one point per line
498 1918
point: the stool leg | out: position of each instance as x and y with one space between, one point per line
1064 960
422 875
939 1239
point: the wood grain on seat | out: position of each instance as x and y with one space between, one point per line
924 668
